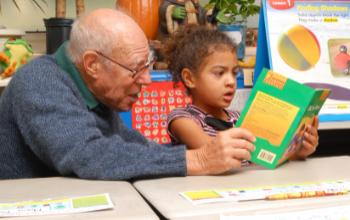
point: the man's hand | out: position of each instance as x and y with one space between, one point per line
179 13
310 143
221 17
224 152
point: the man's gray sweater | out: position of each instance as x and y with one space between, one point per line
47 129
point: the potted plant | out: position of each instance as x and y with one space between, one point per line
58 28
241 9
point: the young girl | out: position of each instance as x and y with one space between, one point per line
205 61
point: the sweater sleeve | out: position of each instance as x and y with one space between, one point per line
67 137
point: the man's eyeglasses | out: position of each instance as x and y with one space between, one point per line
151 60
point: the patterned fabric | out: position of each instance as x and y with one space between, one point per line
198 115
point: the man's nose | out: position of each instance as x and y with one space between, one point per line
144 78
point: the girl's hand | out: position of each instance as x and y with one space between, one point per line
310 143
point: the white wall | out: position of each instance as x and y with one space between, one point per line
31 18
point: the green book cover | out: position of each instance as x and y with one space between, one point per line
277 112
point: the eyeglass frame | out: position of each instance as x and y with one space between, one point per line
149 61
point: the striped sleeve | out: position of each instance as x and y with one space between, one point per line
234 115
178 113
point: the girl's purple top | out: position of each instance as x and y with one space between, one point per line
198 115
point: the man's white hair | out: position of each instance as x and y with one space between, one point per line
84 38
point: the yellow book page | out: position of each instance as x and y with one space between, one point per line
269 118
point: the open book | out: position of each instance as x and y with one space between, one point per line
278 112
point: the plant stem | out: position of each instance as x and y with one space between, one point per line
60 8
80 7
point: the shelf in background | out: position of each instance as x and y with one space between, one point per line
5 81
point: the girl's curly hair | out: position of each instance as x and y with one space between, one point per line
189 46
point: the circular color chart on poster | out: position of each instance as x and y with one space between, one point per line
299 48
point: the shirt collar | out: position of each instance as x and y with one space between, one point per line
72 72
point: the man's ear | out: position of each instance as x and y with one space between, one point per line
91 64
188 78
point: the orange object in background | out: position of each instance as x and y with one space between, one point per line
145 13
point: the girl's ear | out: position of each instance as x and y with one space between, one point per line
188 78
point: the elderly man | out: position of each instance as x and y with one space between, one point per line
59 115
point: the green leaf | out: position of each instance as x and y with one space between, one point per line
245 8
222 6
14 2
257 9
254 9
34 2
242 2
209 6
38 5
244 15
233 8
45 3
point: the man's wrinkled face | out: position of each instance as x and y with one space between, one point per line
117 87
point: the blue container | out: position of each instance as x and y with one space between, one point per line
237 30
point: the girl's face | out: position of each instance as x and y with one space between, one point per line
215 85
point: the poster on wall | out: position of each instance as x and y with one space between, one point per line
149 113
309 41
